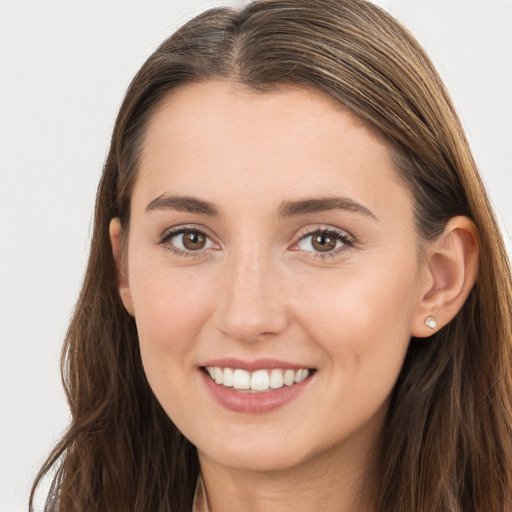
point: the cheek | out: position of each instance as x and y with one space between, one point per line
170 309
362 317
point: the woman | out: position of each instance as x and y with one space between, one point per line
297 297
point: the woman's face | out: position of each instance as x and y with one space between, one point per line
270 241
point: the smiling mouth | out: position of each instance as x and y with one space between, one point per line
258 381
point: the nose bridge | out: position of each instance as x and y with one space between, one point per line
251 303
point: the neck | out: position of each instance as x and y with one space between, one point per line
342 483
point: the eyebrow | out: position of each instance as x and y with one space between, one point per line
182 204
287 209
323 204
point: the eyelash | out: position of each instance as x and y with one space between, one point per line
169 235
346 240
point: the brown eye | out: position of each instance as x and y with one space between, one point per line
323 242
187 240
193 240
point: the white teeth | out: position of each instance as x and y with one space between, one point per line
260 381
276 379
257 381
228 377
241 379
289 377
301 375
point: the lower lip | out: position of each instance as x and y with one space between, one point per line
253 403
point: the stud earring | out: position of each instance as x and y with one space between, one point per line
430 322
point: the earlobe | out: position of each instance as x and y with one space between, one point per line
452 267
115 231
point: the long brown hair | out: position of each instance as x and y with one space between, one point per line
448 439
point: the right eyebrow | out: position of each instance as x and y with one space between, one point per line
182 204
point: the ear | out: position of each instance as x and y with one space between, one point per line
451 271
115 230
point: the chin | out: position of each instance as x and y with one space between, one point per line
262 460
267 452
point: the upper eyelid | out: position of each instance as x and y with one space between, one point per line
342 233
176 230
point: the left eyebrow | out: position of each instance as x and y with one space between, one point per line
182 204
323 204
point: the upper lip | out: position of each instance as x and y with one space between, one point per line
256 364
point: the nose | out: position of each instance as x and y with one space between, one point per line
252 303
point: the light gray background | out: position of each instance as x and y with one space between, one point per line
64 66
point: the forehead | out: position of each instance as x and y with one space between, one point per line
206 106
219 139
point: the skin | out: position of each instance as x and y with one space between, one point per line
260 289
